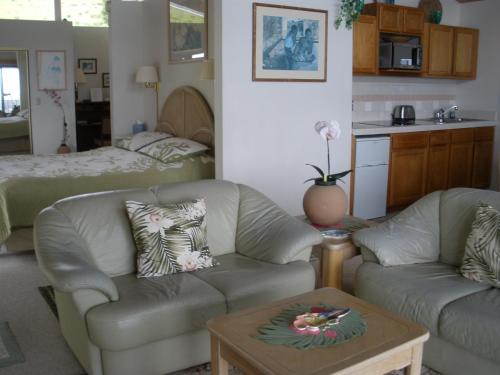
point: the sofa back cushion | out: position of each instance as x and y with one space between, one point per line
457 212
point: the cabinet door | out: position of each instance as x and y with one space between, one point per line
461 154
408 168
390 18
465 44
438 161
438 50
365 45
413 21
483 157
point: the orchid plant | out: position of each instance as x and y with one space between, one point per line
329 131
56 99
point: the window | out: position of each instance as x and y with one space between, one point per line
10 90
85 13
42 10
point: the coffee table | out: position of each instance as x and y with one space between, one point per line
390 343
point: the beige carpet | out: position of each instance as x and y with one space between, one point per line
35 326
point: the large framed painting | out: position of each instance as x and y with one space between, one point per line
289 43
187 30
51 70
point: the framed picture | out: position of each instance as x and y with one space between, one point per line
289 43
105 80
88 66
187 30
51 70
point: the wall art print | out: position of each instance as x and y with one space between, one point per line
187 30
289 43
51 70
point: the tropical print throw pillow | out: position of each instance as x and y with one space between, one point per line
171 238
173 149
140 140
481 260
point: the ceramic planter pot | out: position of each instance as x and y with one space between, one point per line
325 204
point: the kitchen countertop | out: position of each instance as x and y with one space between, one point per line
362 128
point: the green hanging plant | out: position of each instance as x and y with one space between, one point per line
349 12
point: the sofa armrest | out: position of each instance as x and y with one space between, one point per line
410 237
63 258
266 232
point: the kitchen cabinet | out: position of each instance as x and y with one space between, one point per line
461 154
396 19
407 168
465 45
450 52
483 157
365 45
438 161
438 50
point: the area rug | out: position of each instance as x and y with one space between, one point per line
10 353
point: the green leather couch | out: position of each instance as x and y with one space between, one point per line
118 324
410 267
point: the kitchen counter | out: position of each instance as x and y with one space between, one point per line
362 128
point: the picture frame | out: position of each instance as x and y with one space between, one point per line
105 80
187 27
88 66
289 43
51 70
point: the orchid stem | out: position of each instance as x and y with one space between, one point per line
328 156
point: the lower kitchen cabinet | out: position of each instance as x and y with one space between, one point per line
407 168
423 162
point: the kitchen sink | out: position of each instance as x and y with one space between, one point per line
449 120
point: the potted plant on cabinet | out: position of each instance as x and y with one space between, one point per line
325 203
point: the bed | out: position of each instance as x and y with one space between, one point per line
14 135
30 183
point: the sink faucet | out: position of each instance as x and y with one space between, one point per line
440 113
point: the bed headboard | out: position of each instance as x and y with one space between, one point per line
186 114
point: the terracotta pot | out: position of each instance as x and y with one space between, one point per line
325 204
63 149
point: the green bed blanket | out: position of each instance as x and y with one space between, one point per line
30 183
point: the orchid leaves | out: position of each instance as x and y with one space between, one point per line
326 179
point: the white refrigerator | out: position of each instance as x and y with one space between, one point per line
371 176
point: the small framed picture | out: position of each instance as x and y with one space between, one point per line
187 30
289 43
105 80
88 66
51 70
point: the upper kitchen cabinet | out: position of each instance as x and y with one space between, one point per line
365 45
450 52
396 19
465 44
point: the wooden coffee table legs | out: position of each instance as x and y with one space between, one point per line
415 367
219 364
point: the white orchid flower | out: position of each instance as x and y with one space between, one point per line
328 130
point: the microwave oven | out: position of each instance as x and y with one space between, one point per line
394 55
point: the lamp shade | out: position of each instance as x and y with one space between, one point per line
146 74
80 76
207 70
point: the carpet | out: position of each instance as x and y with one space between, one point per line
10 353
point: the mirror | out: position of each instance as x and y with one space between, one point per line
15 111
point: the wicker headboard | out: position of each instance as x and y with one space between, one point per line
186 114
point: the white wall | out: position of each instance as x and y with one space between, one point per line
47 125
484 93
91 43
267 127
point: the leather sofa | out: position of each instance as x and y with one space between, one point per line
116 323
410 267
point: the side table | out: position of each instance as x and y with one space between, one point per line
333 251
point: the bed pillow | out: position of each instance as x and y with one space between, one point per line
170 238
140 140
25 113
173 149
481 260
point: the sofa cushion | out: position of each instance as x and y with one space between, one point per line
482 251
153 309
473 323
247 282
457 212
170 238
222 199
418 292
